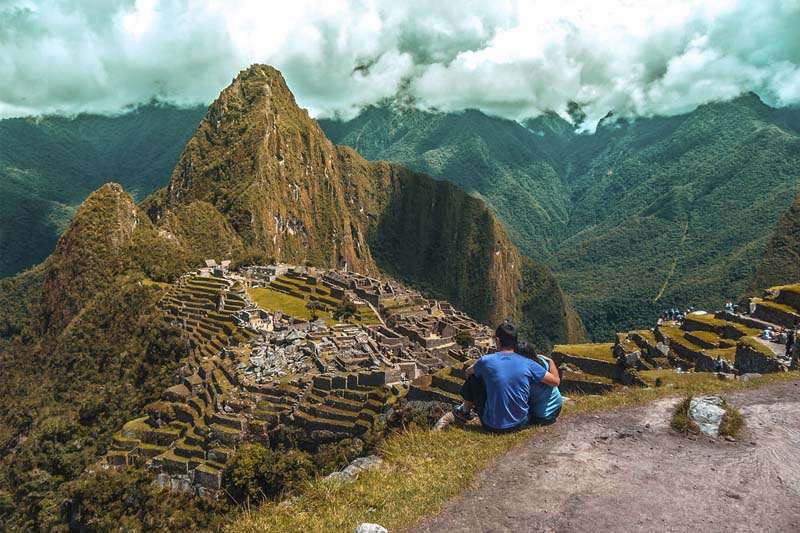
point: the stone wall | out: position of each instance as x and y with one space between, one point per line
751 360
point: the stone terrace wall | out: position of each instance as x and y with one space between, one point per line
750 360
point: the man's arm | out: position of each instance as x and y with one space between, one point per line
551 377
470 370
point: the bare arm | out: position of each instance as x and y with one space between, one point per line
470 370
551 377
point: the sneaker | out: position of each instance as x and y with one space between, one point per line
462 414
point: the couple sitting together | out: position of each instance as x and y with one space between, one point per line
511 389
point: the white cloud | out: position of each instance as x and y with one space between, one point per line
515 59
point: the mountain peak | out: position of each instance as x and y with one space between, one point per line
92 250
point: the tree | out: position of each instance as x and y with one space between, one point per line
465 340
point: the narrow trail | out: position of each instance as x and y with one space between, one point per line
626 470
674 263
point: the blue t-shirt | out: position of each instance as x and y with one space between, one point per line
508 378
544 400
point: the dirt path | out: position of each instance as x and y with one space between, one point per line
625 470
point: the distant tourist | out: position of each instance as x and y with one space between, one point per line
498 385
789 343
544 404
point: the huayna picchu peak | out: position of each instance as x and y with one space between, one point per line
261 177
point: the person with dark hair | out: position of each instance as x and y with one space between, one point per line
544 404
498 385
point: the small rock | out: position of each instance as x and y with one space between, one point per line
446 419
729 438
749 376
370 528
351 471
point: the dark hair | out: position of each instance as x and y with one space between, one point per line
506 335
526 350
529 352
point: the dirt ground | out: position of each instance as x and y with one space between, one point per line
626 470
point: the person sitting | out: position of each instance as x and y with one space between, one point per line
545 402
498 385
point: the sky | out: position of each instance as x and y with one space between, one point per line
515 59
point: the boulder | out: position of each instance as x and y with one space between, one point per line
371 528
351 471
707 413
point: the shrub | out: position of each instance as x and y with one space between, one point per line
465 340
732 422
680 419
256 472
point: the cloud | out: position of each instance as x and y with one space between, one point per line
513 59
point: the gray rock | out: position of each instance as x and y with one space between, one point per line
631 359
445 420
351 471
663 349
707 413
371 528
748 377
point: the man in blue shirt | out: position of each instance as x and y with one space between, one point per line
501 392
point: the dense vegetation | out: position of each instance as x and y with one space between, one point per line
640 216
49 165
781 262
83 348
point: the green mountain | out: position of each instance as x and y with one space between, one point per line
49 165
497 160
781 262
84 348
266 181
642 215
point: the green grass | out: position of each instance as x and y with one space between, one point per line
423 470
732 422
600 351
680 418
272 300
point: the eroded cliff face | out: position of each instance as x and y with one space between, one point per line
781 261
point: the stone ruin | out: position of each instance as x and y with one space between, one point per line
256 375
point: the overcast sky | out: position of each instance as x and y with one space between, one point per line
514 59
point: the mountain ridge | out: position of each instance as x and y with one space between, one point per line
675 210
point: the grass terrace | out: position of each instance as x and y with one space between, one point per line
601 351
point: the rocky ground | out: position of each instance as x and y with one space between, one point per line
626 470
